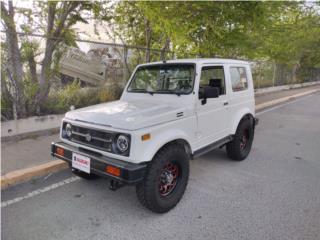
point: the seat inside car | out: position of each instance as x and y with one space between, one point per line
217 82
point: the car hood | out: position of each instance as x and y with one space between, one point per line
132 115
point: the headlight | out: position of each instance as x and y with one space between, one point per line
69 130
122 143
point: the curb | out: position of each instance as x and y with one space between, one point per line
280 88
283 99
23 175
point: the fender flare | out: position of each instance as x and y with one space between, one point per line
240 115
165 138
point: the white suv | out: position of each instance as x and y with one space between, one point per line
169 112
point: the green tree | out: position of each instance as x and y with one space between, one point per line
14 68
284 32
134 27
211 28
53 19
295 39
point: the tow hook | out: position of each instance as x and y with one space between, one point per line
115 185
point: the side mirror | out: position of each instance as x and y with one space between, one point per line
208 92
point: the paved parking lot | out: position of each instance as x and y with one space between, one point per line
273 194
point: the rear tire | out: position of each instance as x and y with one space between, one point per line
239 148
166 179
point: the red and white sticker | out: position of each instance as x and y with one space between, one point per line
81 162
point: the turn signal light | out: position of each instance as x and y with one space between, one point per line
145 137
60 151
113 170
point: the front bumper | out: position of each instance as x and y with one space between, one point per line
130 173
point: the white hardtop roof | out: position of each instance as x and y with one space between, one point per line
202 61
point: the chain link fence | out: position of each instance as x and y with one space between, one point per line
97 64
269 74
89 72
98 67
114 63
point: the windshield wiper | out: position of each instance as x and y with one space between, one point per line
141 91
177 93
170 92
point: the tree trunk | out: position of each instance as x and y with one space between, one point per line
148 40
33 68
294 71
14 64
47 60
55 34
164 49
45 73
274 74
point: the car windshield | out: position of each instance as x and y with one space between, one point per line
163 78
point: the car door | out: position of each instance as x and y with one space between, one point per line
212 117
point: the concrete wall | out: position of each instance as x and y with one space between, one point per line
28 127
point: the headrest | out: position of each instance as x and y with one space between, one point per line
215 82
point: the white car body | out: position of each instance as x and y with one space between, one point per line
169 117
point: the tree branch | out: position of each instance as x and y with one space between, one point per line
67 9
4 11
51 14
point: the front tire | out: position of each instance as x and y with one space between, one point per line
166 179
239 148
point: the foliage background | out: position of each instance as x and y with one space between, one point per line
281 39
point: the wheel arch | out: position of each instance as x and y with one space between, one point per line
177 141
240 116
181 142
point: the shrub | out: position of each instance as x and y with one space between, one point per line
60 101
6 108
109 93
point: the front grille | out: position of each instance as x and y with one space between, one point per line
93 138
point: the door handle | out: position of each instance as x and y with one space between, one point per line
225 103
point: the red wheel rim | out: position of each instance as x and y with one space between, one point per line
168 178
244 139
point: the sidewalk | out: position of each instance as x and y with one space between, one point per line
26 153
35 151
266 97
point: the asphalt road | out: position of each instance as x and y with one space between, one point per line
273 194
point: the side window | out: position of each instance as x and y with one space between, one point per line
213 76
239 79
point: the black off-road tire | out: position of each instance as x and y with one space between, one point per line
84 175
235 149
148 192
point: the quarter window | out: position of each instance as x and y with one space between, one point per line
239 78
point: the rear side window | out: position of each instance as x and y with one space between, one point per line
239 79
